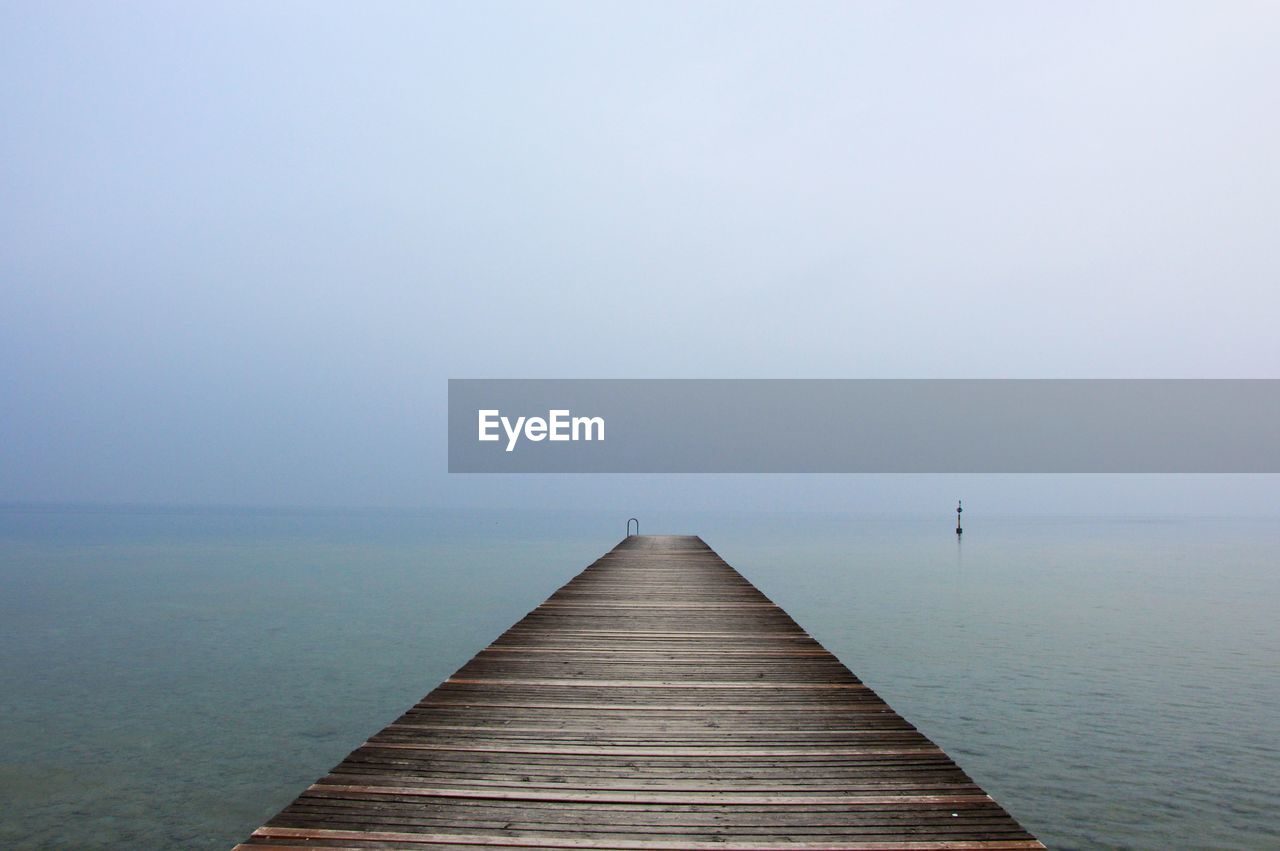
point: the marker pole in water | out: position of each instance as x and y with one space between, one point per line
959 509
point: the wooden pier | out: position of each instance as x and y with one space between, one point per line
656 701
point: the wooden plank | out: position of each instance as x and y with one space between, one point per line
657 701
683 798
309 834
656 751
675 684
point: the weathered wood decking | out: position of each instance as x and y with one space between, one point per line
658 700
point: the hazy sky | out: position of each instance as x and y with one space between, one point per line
242 246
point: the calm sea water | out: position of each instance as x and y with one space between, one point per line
171 679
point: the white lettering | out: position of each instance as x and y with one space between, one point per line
559 425
486 424
513 434
587 423
559 421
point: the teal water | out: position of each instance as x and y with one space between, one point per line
173 678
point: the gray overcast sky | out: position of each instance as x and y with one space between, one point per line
242 245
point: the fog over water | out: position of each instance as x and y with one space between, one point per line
243 246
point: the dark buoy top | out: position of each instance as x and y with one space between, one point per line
959 509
